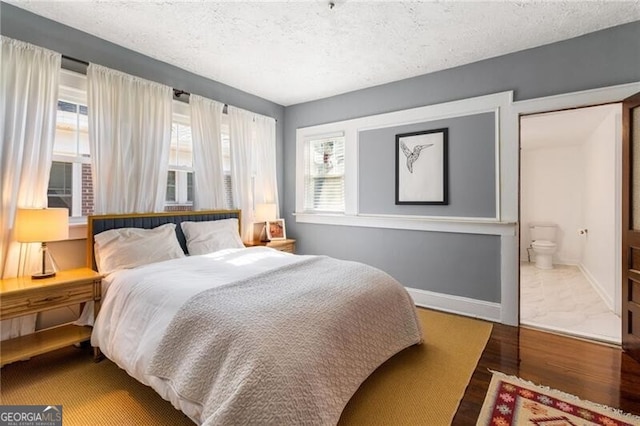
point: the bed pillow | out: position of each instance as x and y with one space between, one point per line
210 236
127 248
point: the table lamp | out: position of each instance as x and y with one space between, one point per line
265 213
42 226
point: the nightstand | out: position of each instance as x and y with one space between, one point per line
22 296
287 245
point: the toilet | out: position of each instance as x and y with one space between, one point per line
543 243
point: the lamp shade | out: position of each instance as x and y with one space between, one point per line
265 212
41 225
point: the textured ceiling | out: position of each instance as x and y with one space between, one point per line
297 51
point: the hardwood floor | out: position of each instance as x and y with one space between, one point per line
591 371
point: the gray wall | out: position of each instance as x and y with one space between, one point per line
435 261
463 265
471 163
22 25
457 264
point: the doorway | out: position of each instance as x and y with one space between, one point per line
569 189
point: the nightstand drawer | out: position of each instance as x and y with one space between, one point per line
40 299
287 247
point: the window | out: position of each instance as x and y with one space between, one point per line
190 187
226 163
171 187
179 194
70 180
324 174
70 183
180 189
60 191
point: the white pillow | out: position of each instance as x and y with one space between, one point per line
210 236
127 248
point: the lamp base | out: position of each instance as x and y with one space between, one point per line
47 266
41 275
263 235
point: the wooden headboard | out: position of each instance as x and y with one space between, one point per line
101 223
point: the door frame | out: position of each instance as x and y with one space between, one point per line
630 237
616 298
586 98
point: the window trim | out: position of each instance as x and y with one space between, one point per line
76 190
72 87
80 159
303 138
181 115
181 191
498 103
307 153
67 186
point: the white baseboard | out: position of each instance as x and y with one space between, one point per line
573 262
615 341
597 286
456 304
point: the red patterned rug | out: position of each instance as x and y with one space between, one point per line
513 401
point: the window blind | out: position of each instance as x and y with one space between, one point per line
324 174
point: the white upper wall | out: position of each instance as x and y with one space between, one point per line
599 245
552 185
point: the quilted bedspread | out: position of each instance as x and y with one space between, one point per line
289 346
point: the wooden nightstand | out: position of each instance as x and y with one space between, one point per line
22 296
287 245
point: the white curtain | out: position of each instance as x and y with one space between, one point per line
253 171
28 101
129 135
242 166
208 178
266 183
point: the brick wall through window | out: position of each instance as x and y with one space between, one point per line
87 190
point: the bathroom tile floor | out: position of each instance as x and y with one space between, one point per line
562 300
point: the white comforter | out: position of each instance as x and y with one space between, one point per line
139 305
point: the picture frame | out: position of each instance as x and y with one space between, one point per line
276 230
422 167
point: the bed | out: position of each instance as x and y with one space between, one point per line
232 335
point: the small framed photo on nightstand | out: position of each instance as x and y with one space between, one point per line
276 230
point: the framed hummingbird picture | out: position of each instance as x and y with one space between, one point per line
421 167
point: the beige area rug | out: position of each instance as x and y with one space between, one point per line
513 401
422 385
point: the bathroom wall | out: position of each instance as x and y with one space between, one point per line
599 245
570 179
552 190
